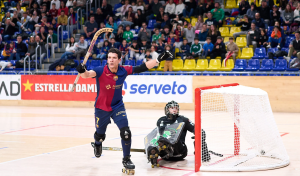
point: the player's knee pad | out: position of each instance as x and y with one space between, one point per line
125 133
99 137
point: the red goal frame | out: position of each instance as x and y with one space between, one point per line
198 125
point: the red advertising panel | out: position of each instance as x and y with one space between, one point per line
56 87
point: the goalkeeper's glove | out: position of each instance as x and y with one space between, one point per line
163 56
81 68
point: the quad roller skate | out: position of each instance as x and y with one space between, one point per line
165 147
97 149
153 156
128 166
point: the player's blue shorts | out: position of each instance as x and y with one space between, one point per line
102 118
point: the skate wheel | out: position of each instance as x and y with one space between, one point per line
152 166
151 157
164 147
156 155
133 172
123 170
157 165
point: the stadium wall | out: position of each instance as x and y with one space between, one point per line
143 92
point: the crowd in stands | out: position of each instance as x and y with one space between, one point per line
142 29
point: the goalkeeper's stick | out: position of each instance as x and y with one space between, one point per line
119 149
90 51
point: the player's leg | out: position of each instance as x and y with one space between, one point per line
102 119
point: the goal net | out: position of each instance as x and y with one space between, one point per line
239 124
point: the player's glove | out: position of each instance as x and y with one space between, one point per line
81 68
163 56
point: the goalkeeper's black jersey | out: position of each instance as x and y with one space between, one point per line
189 125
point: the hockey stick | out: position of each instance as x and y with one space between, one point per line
120 149
87 55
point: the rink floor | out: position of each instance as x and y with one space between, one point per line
42 141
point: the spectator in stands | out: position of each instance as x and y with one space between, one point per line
73 22
128 35
232 48
53 24
82 47
112 24
218 14
144 33
7 15
71 49
155 5
47 3
125 51
81 3
108 36
119 35
139 18
189 9
148 56
63 8
179 9
208 7
210 20
259 22
275 38
134 50
275 15
294 47
153 52
200 8
42 24
251 12
252 36
170 9
99 16
293 4
53 12
219 49
213 33
128 18
243 7
19 11
124 9
42 34
287 16
178 32
24 21
165 22
140 6
165 34
36 9
143 47
52 41
114 44
104 50
169 62
160 15
134 7
203 34
15 19
31 48
57 4
62 19
69 3
42 55
207 48
297 15
106 9
189 33
156 36
8 50
199 23
195 49
184 50
264 12
90 27
245 26
9 29
4 64
263 39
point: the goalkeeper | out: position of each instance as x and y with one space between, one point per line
178 151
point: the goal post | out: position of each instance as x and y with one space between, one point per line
239 124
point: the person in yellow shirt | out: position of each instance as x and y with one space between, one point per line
62 20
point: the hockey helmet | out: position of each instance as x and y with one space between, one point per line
172 110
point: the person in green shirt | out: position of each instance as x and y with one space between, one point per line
218 14
128 35
195 49
156 36
53 43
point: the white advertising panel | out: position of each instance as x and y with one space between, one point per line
10 87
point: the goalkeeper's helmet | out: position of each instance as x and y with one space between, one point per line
172 110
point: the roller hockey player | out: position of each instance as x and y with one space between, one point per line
165 149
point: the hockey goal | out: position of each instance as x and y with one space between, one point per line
239 124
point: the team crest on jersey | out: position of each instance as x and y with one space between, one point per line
108 86
115 78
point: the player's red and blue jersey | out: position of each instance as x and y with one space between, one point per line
109 87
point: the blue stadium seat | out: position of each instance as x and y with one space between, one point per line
253 65
116 7
151 24
271 50
266 65
260 53
291 69
104 62
127 62
240 65
270 29
76 62
280 65
275 74
51 73
261 74
13 62
94 63
87 63
288 40
139 62
62 73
